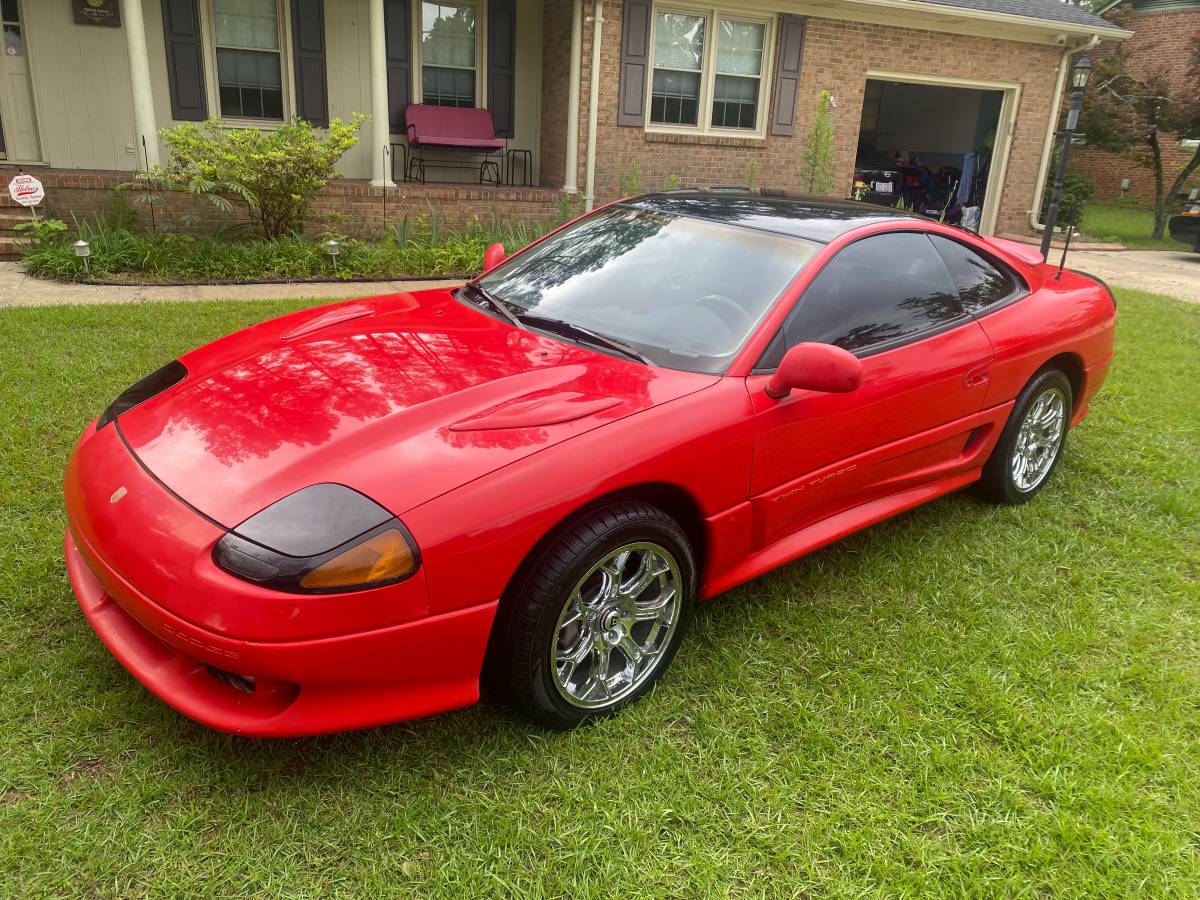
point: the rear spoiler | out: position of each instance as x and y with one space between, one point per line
1026 253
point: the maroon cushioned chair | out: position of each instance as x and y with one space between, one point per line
468 131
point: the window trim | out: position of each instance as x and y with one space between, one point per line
416 80
712 16
208 33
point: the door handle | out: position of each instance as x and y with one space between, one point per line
977 375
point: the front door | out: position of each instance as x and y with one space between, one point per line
18 124
890 300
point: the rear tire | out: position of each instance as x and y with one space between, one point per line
598 617
1031 444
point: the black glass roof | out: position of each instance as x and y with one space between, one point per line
813 219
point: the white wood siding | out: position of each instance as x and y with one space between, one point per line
81 89
84 103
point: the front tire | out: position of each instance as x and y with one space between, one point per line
598 617
1032 441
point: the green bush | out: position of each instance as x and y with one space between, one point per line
1077 191
419 248
276 172
816 155
42 231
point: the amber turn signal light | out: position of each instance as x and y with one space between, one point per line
384 557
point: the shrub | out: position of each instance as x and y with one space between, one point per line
1077 192
415 247
277 172
816 156
42 231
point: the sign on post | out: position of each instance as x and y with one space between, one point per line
26 190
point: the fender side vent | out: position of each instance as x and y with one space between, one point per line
973 438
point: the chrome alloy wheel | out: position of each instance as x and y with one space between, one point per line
1039 439
615 625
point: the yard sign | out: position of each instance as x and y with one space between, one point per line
26 190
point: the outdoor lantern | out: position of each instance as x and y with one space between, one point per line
83 250
1080 73
333 248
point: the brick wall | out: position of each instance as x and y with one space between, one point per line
1160 44
1108 170
350 207
837 56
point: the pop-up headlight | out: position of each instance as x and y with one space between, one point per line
323 539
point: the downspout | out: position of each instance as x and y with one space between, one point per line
571 176
1064 64
589 195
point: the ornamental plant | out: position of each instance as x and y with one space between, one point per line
276 172
816 157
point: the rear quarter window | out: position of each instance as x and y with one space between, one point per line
981 283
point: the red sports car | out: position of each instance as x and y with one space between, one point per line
350 515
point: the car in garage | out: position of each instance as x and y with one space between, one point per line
353 515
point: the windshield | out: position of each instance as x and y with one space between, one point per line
683 292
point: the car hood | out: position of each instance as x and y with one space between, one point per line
402 397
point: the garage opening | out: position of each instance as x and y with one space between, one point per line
929 148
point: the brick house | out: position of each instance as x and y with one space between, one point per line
705 92
1164 31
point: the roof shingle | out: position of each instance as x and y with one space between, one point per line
1046 10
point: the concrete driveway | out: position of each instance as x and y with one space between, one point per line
1176 274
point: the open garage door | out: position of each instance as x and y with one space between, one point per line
935 148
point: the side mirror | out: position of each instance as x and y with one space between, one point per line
816 367
493 256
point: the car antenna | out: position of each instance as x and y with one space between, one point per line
1062 263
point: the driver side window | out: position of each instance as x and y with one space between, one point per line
877 291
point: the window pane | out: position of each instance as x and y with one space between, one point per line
876 290
247 23
740 47
9 11
735 102
678 41
249 84
14 44
448 87
684 291
675 97
448 34
980 284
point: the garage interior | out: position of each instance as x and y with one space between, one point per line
927 148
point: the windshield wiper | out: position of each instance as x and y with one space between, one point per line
497 304
570 329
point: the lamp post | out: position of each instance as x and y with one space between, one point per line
1080 73
333 248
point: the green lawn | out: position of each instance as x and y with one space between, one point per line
966 700
1128 225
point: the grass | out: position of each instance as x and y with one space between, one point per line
1121 224
966 700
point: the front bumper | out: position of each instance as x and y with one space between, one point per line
140 563
300 687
